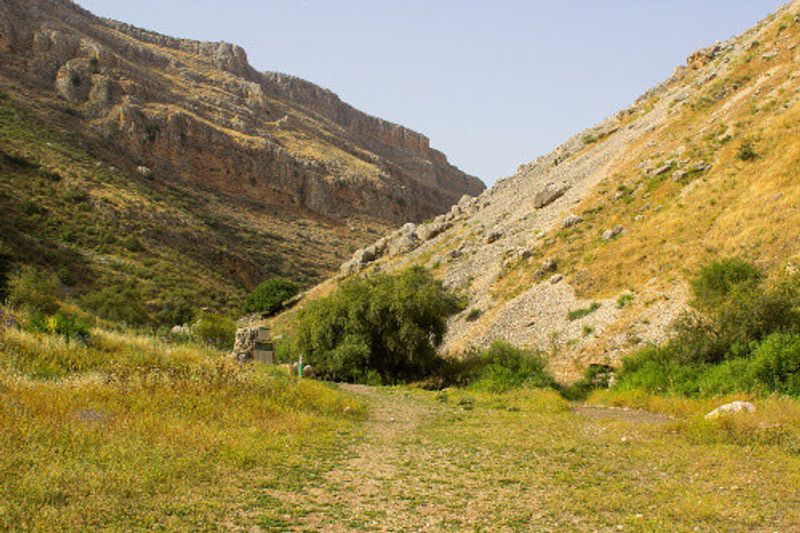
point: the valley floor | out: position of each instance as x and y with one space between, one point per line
529 461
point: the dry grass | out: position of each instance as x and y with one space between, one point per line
135 433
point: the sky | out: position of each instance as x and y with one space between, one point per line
492 83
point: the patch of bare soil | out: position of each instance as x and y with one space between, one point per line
635 416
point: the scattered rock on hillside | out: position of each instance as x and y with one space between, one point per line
612 232
679 175
432 230
572 220
406 241
493 236
548 195
732 408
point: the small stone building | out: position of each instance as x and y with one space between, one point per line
254 343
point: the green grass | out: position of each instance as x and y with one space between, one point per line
131 432
577 314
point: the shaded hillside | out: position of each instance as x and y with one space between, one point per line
131 156
584 252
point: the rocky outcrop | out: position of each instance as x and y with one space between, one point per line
199 113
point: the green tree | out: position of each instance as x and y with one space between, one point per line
389 324
270 296
217 330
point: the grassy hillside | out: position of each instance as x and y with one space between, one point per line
744 125
585 252
68 211
130 432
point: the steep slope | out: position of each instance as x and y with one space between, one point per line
584 252
227 173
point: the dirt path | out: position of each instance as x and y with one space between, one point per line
428 462
359 494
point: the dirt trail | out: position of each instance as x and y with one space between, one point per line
361 487
460 462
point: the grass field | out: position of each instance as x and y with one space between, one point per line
133 433
136 433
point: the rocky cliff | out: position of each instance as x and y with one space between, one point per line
198 112
585 252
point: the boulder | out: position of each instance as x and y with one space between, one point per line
493 236
570 221
404 244
350 267
612 232
180 330
732 408
365 255
679 175
548 195
432 230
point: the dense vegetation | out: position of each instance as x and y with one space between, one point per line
743 334
269 297
382 328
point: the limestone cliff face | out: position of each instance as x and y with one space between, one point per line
199 113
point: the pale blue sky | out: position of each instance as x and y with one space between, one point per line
492 83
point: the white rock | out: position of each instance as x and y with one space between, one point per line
732 408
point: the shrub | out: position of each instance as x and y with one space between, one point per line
577 314
69 326
503 367
624 300
473 315
270 296
744 336
776 364
747 151
596 376
175 311
119 303
717 280
34 289
389 324
215 330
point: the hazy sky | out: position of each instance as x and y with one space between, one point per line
492 83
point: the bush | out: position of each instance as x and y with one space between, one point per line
717 280
270 296
473 315
776 364
577 314
503 367
69 326
119 303
215 330
34 289
743 336
596 376
175 311
389 324
747 151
